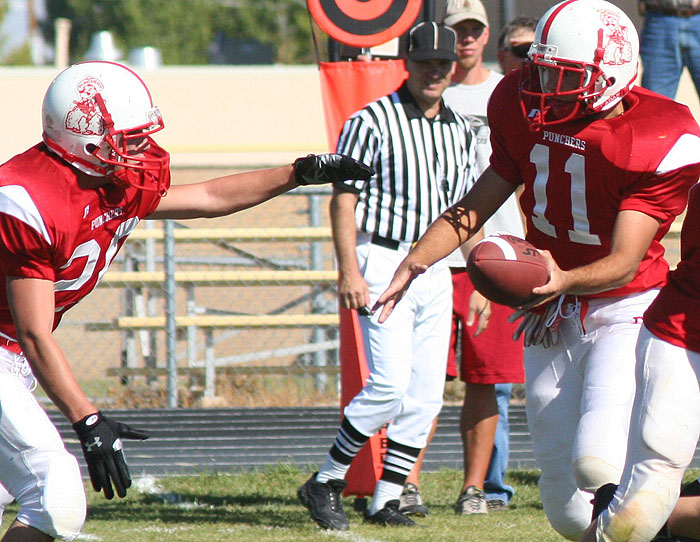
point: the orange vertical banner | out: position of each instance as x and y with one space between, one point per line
347 87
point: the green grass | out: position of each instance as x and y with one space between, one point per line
262 507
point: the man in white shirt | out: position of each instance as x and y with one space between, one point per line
489 360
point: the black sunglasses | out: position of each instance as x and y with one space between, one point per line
519 50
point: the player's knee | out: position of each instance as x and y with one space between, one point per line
636 519
593 472
389 392
567 509
58 507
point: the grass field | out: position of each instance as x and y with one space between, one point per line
262 507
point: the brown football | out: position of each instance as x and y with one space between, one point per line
505 268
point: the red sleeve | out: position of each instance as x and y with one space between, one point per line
505 119
23 252
661 196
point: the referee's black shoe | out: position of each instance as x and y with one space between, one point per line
323 499
390 516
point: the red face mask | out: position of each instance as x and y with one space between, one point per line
568 93
135 158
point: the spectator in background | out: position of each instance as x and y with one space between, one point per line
490 360
374 226
514 42
670 40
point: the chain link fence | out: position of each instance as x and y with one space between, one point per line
234 311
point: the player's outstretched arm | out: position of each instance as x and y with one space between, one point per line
455 226
398 286
232 193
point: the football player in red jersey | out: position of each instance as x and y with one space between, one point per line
602 184
66 207
665 425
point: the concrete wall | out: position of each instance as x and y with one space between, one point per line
214 116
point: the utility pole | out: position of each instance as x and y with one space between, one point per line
508 11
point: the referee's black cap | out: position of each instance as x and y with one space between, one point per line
429 41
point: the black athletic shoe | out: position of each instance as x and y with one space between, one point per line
390 515
324 502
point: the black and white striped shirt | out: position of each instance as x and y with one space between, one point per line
422 165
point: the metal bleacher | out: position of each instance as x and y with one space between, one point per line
190 441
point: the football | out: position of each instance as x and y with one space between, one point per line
505 268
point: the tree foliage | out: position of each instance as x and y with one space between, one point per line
284 24
184 30
181 30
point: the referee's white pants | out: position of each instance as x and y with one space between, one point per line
663 435
579 397
35 467
407 354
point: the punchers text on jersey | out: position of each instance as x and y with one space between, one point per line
579 175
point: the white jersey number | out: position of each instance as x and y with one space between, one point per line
90 250
576 168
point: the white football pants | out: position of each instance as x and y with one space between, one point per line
579 396
407 354
663 434
35 467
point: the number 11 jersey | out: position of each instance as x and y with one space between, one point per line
579 175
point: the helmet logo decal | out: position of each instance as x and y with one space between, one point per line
617 49
84 117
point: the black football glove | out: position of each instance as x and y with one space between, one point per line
329 168
100 439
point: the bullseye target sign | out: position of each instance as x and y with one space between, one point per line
364 23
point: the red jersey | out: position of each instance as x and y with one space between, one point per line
53 229
674 316
579 175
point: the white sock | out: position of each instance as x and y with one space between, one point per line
331 470
384 492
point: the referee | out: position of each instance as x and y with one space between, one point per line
423 154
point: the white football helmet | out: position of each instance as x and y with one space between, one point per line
584 60
99 117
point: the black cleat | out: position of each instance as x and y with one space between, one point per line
323 499
390 516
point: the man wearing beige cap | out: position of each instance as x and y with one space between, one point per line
490 360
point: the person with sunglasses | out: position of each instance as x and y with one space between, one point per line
514 42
